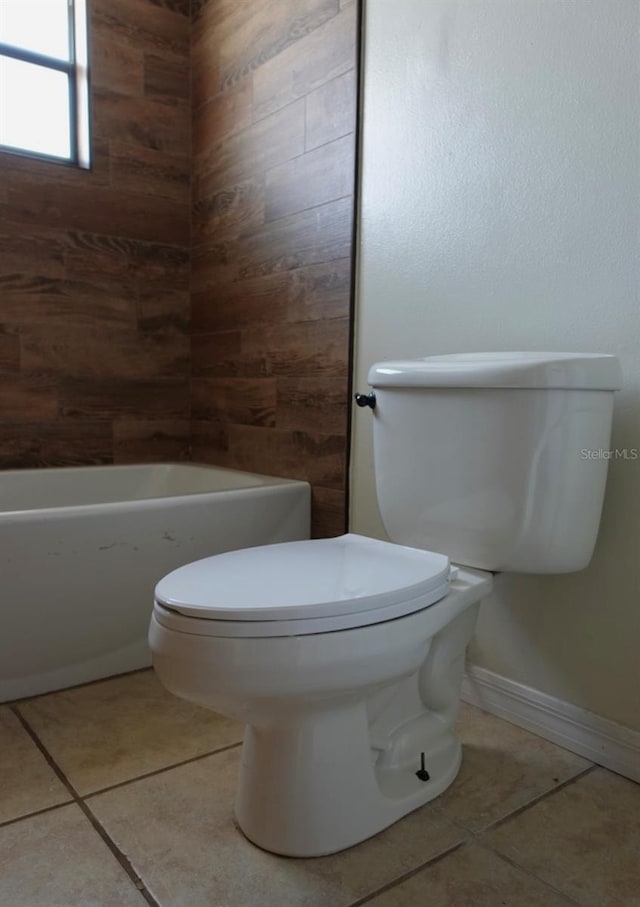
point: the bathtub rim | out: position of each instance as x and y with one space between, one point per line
266 485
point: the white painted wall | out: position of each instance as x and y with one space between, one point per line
501 210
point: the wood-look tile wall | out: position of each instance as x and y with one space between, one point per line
95 294
94 266
273 93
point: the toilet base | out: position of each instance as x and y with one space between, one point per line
330 773
312 788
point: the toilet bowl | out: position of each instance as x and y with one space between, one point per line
343 658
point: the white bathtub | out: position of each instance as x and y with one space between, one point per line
82 549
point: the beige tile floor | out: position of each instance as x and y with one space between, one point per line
115 794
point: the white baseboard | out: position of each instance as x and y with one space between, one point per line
601 741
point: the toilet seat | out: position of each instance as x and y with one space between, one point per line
298 588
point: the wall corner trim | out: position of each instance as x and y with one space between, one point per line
595 738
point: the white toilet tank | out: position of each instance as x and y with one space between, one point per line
498 460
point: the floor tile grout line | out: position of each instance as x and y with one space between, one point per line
455 825
478 836
78 801
535 800
76 795
36 812
161 771
22 700
476 833
474 838
409 874
122 859
515 865
15 708
53 765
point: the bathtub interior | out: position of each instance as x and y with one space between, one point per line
44 489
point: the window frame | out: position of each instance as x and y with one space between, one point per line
76 69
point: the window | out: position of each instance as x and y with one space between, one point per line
44 94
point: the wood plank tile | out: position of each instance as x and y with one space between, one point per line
312 179
320 291
183 7
143 24
143 441
274 139
161 265
315 457
272 298
210 443
243 401
331 111
220 355
236 36
150 122
302 350
116 66
231 212
324 54
31 445
32 250
197 7
100 210
113 397
312 404
167 76
249 40
149 263
213 263
150 172
87 254
309 237
9 350
93 352
212 354
245 303
164 308
27 398
205 73
41 300
328 512
223 115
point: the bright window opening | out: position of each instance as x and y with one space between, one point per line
44 97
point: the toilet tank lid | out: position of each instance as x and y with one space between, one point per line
587 371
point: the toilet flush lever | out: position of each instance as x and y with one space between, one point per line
366 400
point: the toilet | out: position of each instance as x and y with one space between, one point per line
344 657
